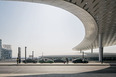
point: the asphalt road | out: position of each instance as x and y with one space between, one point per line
57 71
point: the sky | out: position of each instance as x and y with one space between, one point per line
41 28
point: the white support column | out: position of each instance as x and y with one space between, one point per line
92 49
100 48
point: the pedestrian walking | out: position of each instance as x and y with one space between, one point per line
67 61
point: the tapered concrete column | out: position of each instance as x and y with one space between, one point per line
19 54
92 49
32 54
83 56
100 48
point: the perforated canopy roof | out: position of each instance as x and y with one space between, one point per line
98 17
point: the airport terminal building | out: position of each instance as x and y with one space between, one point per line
98 18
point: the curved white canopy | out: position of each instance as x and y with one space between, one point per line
91 28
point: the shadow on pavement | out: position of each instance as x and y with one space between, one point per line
107 72
111 69
70 75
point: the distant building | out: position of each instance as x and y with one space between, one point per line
0 47
5 51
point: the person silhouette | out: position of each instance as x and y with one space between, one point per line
67 60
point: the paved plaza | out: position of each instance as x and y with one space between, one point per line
57 70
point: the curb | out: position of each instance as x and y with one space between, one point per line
57 64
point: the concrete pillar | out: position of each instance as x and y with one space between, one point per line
92 49
25 53
100 48
83 56
19 54
32 54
